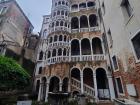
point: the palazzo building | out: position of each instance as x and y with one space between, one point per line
72 58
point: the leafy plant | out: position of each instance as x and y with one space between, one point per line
73 102
12 75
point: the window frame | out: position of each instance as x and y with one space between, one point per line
132 46
115 70
118 87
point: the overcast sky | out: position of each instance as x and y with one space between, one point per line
34 10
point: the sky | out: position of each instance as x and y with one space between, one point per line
34 10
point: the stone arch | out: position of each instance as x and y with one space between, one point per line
65 84
83 21
55 38
54 53
75 73
59 52
65 52
74 23
97 46
93 20
75 47
85 46
54 84
60 37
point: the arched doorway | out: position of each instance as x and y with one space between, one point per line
83 22
75 73
75 47
102 84
74 23
65 85
54 84
88 77
43 89
97 46
85 47
93 20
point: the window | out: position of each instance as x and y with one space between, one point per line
136 45
119 85
40 70
110 38
3 10
115 63
127 6
103 8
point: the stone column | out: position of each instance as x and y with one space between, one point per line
95 87
47 90
80 50
82 83
111 88
91 49
79 23
40 92
60 87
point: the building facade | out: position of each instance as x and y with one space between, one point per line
122 25
72 59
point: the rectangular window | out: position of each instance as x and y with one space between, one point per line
115 63
127 6
136 45
119 85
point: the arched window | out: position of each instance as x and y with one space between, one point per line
61 23
83 22
40 70
57 23
45 33
74 23
97 46
75 47
58 12
55 38
55 4
63 2
91 4
59 52
86 47
66 13
59 3
65 38
41 55
60 38
49 54
54 14
67 4
82 5
93 20
74 7
50 39
64 52
54 53
52 24
62 12
65 24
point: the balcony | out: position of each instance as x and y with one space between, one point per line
58 44
60 59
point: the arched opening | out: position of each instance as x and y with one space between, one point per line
66 13
51 39
65 38
43 90
61 23
62 12
82 5
93 20
49 54
75 47
91 4
41 55
65 85
64 52
63 3
37 86
83 22
58 12
74 7
54 84
59 52
59 3
60 38
74 23
54 14
88 77
54 53
75 73
40 70
85 47
55 38
102 84
66 24
45 33
97 46
57 23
